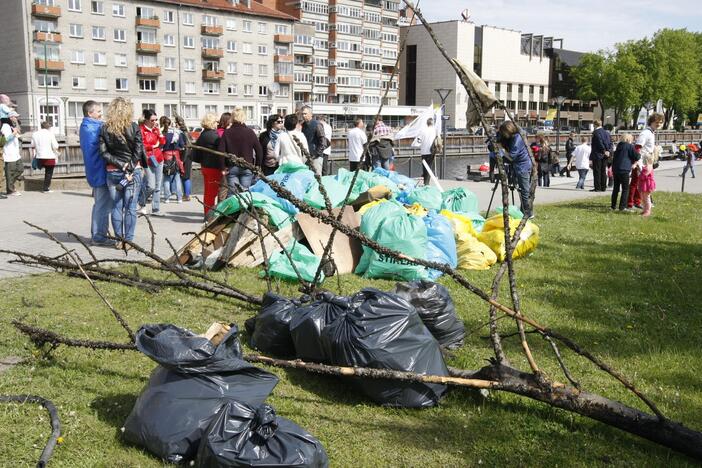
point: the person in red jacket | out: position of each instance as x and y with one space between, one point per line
153 140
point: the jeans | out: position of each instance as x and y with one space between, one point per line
691 168
582 174
318 165
100 216
524 186
544 176
620 179
238 176
124 202
152 187
48 175
172 183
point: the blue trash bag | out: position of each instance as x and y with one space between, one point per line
295 182
441 243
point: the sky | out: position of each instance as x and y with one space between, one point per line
584 25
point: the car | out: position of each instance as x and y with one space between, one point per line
195 132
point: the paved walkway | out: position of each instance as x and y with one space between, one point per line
64 211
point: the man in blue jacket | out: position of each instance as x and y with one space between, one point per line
95 173
601 146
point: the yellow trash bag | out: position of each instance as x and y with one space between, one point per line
472 254
370 205
494 237
460 223
417 210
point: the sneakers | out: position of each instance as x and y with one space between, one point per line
157 214
167 201
638 207
105 243
186 198
47 191
179 201
626 210
14 194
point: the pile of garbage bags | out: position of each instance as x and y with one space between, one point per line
401 330
420 222
205 403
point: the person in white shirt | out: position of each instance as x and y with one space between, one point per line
328 135
582 162
14 167
357 140
45 149
287 150
426 141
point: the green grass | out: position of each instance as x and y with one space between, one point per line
622 286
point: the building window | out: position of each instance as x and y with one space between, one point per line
509 87
75 110
146 36
188 42
99 33
248 90
520 88
231 89
147 85
190 110
263 90
281 29
48 81
262 49
247 26
170 110
146 61
283 91
231 68
120 60
211 109
497 87
190 87
169 16
122 84
75 30
78 82
188 19
189 65
263 70
169 40
262 28
118 10
210 87
209 20
74 5
120 35
100 84
248 69
249 112
99 58
145 12
77 56
170 86
210 43
97 7
170 63
231 24
247 48
231 46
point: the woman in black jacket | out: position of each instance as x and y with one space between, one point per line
624 158
122 149
211 165
269 140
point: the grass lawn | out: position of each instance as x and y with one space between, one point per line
622 286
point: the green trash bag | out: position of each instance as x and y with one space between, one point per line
404 233
291 167
305 261
459 200
276 215
429 197
335 190
513 212
371 221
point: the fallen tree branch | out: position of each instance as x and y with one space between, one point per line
53 417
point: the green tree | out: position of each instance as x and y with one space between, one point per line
592 75
626 81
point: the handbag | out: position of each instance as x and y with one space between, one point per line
35 164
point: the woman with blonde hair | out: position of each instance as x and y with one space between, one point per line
212 165
122 149
241 141
625 156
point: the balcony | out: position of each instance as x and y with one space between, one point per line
284 38
147 48
152 22
212 75
149 71
207 30
284 79
212 53
283 59
41 36
44 11
50 65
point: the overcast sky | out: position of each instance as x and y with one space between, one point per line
584 25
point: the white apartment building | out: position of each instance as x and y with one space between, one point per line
514 65
174 56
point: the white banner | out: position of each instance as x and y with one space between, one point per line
415 128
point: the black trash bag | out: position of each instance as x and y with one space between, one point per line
244 436
435 307
195 379
269 331
308 322
383 331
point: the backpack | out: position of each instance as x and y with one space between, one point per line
170 166
437 146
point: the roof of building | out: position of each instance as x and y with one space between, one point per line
569 57
226 5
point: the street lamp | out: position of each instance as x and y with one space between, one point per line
443 94
559 102
65 116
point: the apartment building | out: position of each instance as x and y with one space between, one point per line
174 56
345 54
516 66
